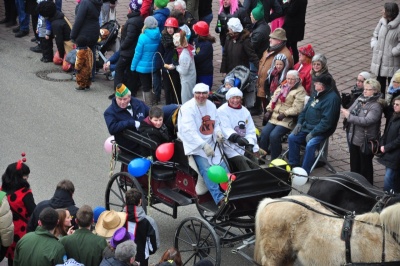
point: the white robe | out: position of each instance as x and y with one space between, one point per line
230 119
189 123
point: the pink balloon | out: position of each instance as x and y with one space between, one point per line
165 151
108 144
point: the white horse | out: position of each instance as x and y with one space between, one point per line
287 231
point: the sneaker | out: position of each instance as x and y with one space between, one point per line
36 49
16 29
33 39
45 60
3 21
21 33
11 24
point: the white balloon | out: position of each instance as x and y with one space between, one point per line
298 176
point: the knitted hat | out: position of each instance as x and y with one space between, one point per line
161 3
121 90
232 92
200 87
365 75
135 5
326 80
230 78
278 34
109 222
258 11
150 22
307 50
235 25
47 9
120 236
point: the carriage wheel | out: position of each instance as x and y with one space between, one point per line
118 184
196 239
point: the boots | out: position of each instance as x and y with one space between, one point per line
148 98
257 109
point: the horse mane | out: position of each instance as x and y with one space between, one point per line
390 218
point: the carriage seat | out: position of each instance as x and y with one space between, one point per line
162 172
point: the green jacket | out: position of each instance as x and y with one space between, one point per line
84 246
39 248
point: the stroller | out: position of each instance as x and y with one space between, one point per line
108 41
245 81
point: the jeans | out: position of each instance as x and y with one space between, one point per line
295 141
271 135
208 18
203 165
391 180
23 17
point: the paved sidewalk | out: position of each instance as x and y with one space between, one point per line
339 29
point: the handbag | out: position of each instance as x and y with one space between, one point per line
370 147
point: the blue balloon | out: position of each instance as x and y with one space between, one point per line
139 167
97 211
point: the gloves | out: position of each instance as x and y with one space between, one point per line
236 138
208 150
137 124
296 129
309 137
267 116
281 116
262 152
220 137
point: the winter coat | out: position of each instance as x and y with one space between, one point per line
292 107
249 5
167 50
305 75
238 52
6 222
224 17
84 246
87 21
385 45
187 73
232 121
321 114
39 248
368 120
295 20
332 85
158 135
204 58
205 8
265 65
60 200
146 47
130 33
61 31
118 119
146 9
145 230
161 16
275 7
391 141
260 37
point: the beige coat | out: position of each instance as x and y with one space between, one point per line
6 223
292 106
385 45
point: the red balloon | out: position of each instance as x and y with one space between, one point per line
224 186
165 151
232 177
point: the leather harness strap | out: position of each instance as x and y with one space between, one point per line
346 234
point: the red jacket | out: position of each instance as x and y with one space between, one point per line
305 75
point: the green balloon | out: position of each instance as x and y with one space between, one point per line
217 174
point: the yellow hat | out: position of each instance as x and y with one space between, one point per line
121 90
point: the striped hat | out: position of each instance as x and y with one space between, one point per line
121 90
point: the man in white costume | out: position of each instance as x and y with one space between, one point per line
199 130
237 126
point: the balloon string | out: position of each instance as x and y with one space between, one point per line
113 160
149 185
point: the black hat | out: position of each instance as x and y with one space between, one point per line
324 79
47 9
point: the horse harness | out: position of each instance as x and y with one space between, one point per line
346 234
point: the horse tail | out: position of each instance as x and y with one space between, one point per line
390 218
259 214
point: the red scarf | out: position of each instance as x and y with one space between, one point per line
190 48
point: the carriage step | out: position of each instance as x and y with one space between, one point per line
175 196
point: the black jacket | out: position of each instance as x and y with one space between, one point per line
61 31
205 8
61 199
260 37
391 141
224 17
87 21
295 20
130 34
204 58
158 135
276 10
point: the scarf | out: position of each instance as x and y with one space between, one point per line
277 47
190 48
392 90
274 80
167 42
240 106
285 89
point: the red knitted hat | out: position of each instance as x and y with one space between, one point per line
307 50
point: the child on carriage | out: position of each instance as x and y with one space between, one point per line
153 127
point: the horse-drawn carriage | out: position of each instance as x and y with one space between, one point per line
173 184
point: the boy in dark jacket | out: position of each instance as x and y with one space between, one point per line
153 127
142 226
